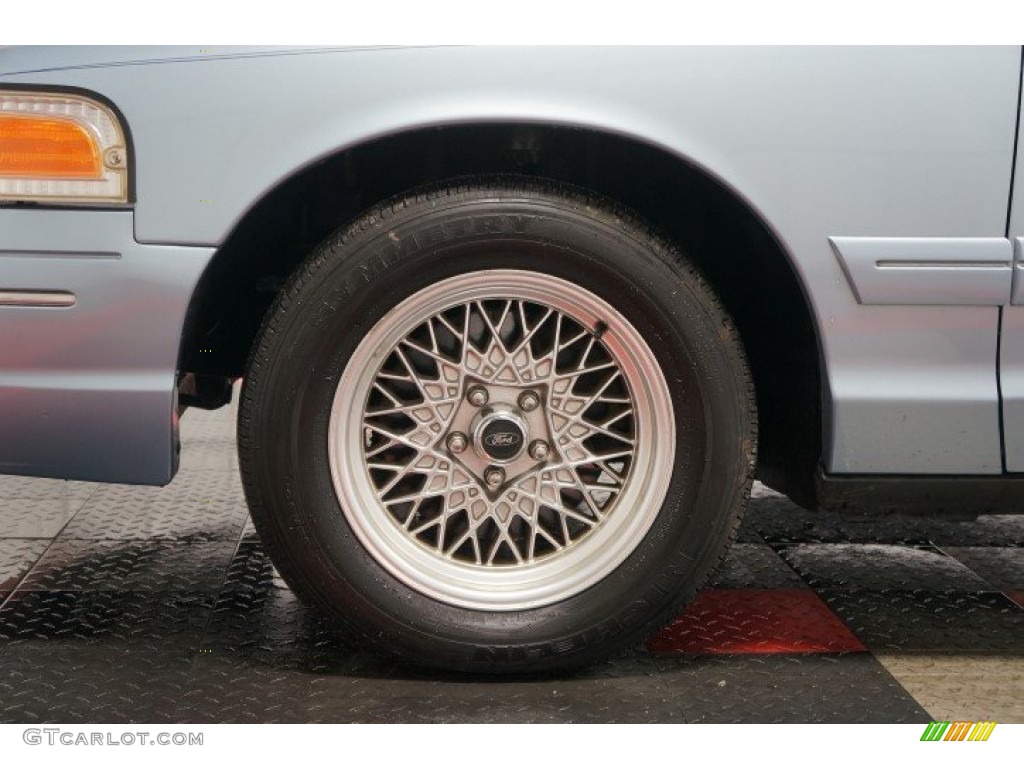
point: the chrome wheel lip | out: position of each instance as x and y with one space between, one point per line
557 577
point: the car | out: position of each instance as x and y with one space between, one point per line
517 327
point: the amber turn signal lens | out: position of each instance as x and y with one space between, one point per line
47 147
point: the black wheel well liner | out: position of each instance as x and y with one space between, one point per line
728 241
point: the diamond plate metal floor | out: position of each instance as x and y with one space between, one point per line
128 604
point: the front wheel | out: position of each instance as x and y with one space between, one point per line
498 427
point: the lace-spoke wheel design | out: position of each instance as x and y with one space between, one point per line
442 500
497 426
501 440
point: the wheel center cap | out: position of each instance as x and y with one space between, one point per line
499 433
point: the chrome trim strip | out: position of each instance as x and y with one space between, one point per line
36 299
53 254
938 264
945 271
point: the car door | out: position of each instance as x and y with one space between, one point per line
1011 352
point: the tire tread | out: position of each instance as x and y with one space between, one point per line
464 190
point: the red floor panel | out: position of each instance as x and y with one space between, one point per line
1016 596
755 621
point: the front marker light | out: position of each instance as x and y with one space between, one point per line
60 148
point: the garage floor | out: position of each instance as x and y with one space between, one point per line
155 605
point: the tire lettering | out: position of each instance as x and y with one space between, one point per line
430 236
499 224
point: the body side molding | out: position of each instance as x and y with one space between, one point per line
962 271
36 298
1017 295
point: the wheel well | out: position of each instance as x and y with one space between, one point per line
741 259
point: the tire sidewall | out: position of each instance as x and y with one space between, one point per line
360 274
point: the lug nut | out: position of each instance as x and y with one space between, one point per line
494 477
528 400
539 450
457 442
477 396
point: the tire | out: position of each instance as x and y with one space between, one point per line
373 356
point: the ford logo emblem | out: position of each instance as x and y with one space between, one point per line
501 438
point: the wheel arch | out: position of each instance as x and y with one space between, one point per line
746 261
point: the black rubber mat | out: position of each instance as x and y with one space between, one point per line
755 566
17 556
886 567
931 621
83 565
811 688
1001 567
127 604
133 621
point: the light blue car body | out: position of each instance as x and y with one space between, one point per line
887 176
